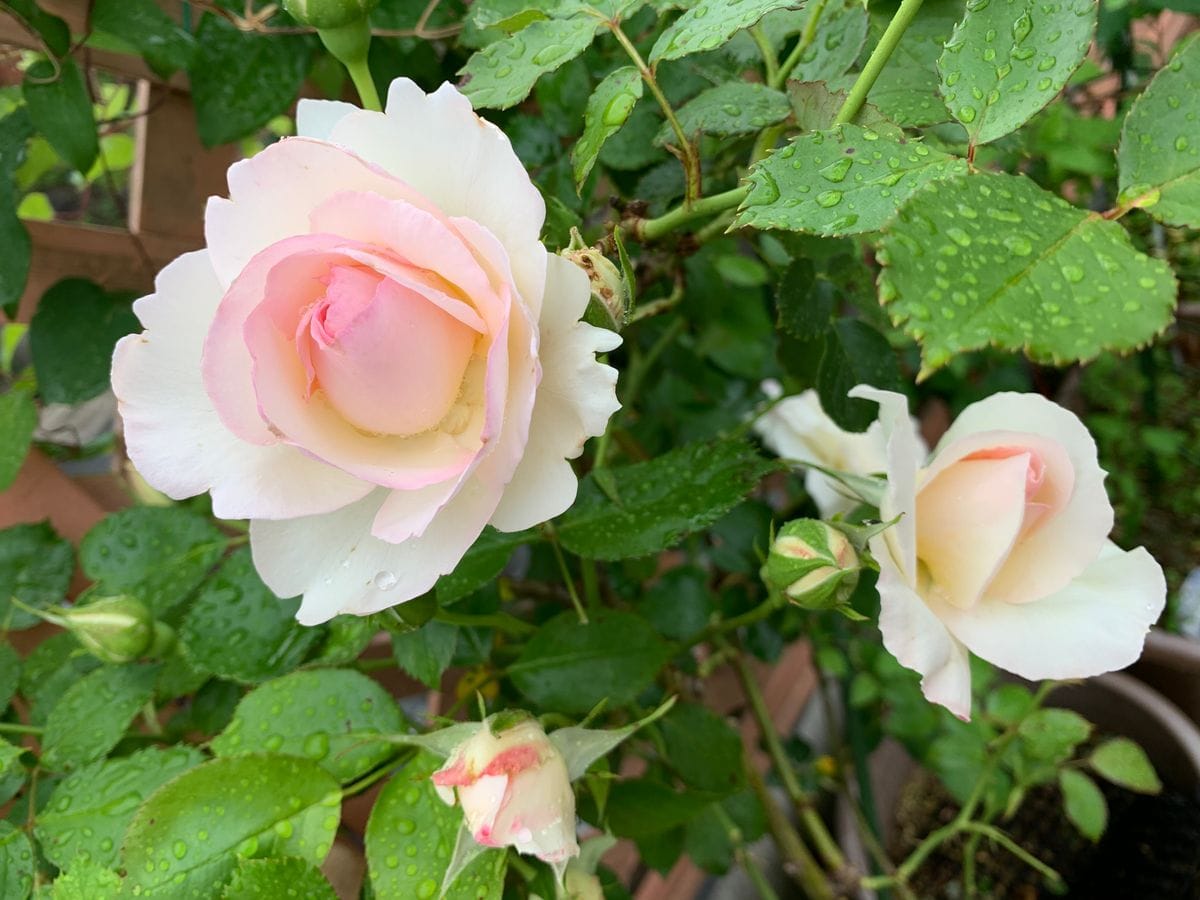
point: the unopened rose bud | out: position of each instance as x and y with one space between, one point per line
609 303
514 790
328 13
113 629
812 564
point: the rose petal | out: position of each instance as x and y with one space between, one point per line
316 118
918 640
173 434
1096 624
575 400
1067 542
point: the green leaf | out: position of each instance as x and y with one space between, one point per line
1052 735
15 131
708 841
660 501
995 260
957 758
709 25
60 108
703 748
679 603
92 716
158 554
12 771
86 881
735 107
906 91
18 419
643 807
144 25
481 564
88 812
570 667
1123 762
1083 803
581 747
185 841
855 353
16 862
804 302
1007 703
72 336
51 29
54 665
409 839
10 674
607 110
269 879
1009 58
347 636
815 107
241 80
503 73
239 630
35 567
329 716
845 181
841 32
1159 155
425 653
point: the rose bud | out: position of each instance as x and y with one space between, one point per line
514 790
1001 548
328 13
812 564
609 303
113 629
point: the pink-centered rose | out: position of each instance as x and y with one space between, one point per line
514 790
1002 550
373 358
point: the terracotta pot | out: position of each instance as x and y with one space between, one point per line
1115 703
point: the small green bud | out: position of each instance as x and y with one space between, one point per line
812 564
610 292
113 629
328 13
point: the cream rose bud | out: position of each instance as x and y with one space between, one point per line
374 357
1002 550
514 791
812 564
797 428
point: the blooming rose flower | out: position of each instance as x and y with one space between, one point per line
514 791
1003 550
797 428
373 358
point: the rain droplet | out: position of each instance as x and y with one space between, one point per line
836 171
828 199
385 580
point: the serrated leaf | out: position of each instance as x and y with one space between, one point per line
425 653
848 180
409 839
15 131
269 879
86 881
185 841
906 91
1083 803
503 73
10 674
855 353
643 807
18 419
735 107
333 717
1159 155
238 629
607 110
1008 58
72 336
35 567
145 26
581 747
481 564
662 500
804 302
709 25
704 749
89 810
54 665
91 717
158 554
815 107
570 667
995 260
1123 762
841 32
16 862
1052 735
60 108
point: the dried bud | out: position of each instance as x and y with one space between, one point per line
812 564
610 290
329 13
114 629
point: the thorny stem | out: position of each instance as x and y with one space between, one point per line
800 866
743 855
877 60
653 229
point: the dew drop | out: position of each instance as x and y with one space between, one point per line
829 199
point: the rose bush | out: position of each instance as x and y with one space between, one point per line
1002 549
373 358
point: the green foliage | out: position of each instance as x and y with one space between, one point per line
287 876
1160 141
907 89
426 652
18 419
60 108
607 110
736 107
1007 59
16 861
329 716
703 748
262 805
1124 763
1009 267
151 32
35 568
709 25
846 181
481 564
92 715
15 130
1084 803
